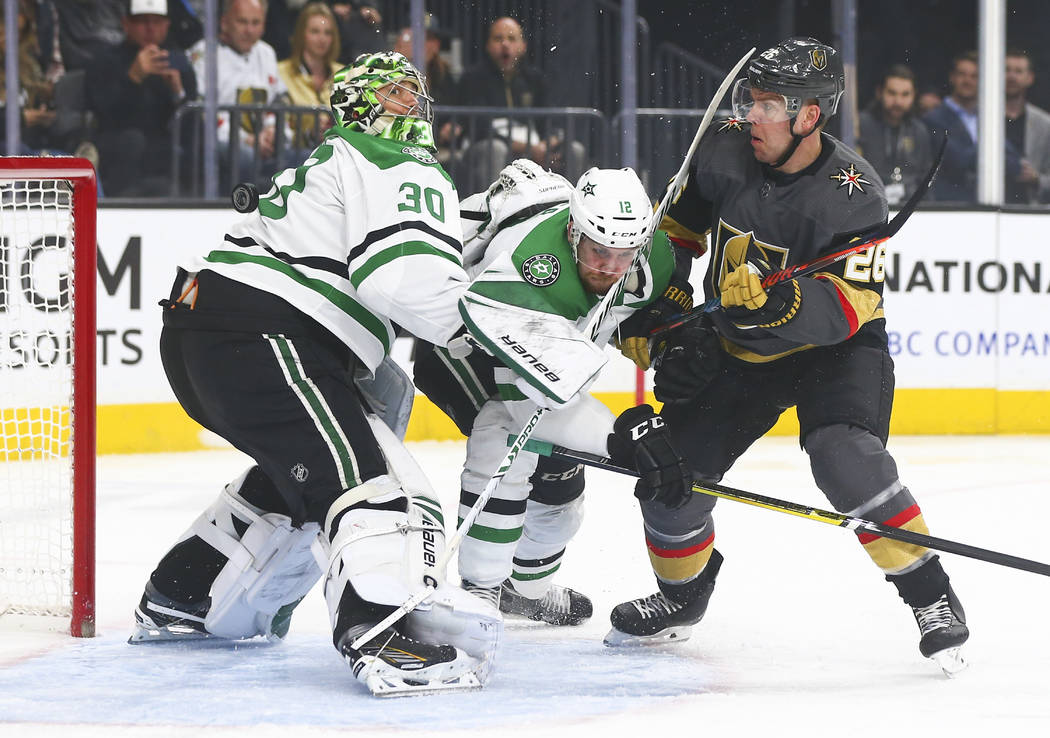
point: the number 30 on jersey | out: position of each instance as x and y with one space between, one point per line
868 265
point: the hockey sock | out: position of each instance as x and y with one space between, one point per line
923 586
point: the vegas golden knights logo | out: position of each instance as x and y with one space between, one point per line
734 247
819 57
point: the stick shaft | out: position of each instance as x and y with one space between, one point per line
858 525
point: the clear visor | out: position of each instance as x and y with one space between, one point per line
604 260
407 97
759 106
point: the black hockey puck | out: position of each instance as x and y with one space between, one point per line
245 197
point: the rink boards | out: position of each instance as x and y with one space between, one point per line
967 297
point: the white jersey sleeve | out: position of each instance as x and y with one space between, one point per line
364 234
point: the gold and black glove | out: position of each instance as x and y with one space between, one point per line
634 332
747 304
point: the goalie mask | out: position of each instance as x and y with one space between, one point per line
611 208
358 99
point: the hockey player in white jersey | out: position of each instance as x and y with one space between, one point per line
543 253
258 337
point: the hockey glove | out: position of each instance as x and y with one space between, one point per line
634 332
689 360
747 304
641 440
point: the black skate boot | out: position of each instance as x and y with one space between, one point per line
667 615
390 663
943 630
160 618
559 606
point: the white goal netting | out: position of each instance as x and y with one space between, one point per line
36 389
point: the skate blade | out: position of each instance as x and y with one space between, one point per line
951 661
386 685
619 639
167 634
382 682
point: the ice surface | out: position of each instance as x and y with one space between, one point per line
803 637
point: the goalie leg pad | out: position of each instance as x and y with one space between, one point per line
269 568
380 544
458 618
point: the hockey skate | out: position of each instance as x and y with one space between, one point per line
658 618
943 630
393 665
160 618
559 606
488 594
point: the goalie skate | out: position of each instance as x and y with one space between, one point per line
159 618
658 619
393 665
943 630
559 606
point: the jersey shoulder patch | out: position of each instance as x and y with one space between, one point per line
732 123
541 270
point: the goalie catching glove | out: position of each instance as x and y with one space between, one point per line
641 440
747 304
634 332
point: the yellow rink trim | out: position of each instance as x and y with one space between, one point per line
145 428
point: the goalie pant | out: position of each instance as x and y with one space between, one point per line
287 400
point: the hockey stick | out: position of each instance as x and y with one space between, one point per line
857 525
593 329
873 238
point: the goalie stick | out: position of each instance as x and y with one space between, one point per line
593 329
872 238
857 525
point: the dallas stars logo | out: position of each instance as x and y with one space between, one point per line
541 270
850 178
732 123
588 189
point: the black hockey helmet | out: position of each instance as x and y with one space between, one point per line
800 69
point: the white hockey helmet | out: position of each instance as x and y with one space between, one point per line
611 207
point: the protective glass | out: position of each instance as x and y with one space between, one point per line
604 260
759 106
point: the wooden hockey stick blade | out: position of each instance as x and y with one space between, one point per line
857 525
864 242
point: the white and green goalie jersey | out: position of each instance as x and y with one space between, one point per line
363 235
527 277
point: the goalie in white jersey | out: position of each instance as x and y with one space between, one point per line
542 255
271 340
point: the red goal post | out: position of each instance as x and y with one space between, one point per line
47 389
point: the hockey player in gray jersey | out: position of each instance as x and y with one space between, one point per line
542 254
268 339
774 190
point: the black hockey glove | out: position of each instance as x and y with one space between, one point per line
641 440
690 359
634 332
747 304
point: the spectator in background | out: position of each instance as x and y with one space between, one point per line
247 73
957 116
35 91
360 28
503 79
929 99
308 72
135 88
83 30
1028 130
892 138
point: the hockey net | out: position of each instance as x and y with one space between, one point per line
47 389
